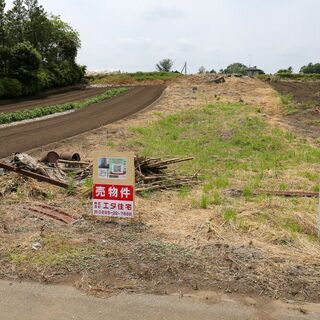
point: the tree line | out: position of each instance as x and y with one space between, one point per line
37 51
239 68
308 69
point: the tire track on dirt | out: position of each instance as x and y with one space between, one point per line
27 136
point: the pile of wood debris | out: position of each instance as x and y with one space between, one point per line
151 173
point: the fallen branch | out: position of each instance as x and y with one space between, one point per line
303 194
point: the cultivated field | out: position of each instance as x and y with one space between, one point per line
49 100
25 136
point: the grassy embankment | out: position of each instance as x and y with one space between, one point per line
288 104
236 148
129 78
10 117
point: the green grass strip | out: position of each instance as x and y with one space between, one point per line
6 118
138 76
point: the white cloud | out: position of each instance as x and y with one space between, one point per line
135 34
162 13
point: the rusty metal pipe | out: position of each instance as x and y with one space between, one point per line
70 156
52 157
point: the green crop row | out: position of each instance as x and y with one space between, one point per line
6 118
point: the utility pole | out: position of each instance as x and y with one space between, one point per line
184 69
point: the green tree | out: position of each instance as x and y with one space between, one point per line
311 68
202 70
236 68
65 41
37 51
2 22
5 55
16 22
37 28
285 71
165 65
25 62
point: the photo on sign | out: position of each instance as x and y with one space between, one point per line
112 168
103 167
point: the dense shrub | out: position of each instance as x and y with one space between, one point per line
298 76
25 62
10 88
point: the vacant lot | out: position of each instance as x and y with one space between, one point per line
206 237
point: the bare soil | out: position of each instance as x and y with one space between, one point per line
306 95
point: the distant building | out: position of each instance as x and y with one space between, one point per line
254 71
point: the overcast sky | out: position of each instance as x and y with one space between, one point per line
133 35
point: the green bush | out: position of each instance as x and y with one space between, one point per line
66 73
25 62
297 76
10 88
44 80
2 90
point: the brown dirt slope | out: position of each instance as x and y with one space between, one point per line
305 117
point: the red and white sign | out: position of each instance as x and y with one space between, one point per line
113 184
113 201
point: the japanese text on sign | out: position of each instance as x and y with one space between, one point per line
113 190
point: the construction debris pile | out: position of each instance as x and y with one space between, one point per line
65 170
151 174
62 169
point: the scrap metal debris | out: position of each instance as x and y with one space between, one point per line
33 175
51 212
28 163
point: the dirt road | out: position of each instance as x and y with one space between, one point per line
24 137
49 100
31 301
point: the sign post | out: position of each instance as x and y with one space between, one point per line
318 224
113 184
